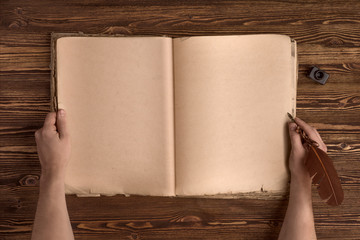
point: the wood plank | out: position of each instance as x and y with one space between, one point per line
139 15
328 36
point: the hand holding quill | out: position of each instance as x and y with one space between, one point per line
319 165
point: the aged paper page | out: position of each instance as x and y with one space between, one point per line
232 94
118 93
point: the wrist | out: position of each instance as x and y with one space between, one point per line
52 175
50 184
301 186
51 187
302 179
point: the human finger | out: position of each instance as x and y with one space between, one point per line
50 121
309 130
322 144
61 124
294 136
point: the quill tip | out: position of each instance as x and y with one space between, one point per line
291 117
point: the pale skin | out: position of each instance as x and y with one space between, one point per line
299 218
52 220
53 145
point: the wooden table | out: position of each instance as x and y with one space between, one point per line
328 36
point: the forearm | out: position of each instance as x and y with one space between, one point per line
299 219
52 219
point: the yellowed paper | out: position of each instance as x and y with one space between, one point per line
118 94
232 94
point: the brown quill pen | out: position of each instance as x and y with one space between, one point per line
322 170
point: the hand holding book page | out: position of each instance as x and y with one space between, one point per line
182 116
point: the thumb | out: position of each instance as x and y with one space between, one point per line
294 136
61 124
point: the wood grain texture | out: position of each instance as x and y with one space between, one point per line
328 35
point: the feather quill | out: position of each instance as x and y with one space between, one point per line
322 171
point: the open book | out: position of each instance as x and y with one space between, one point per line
163 116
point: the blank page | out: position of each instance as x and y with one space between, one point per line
118 94
232 94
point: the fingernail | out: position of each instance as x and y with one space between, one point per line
62 112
